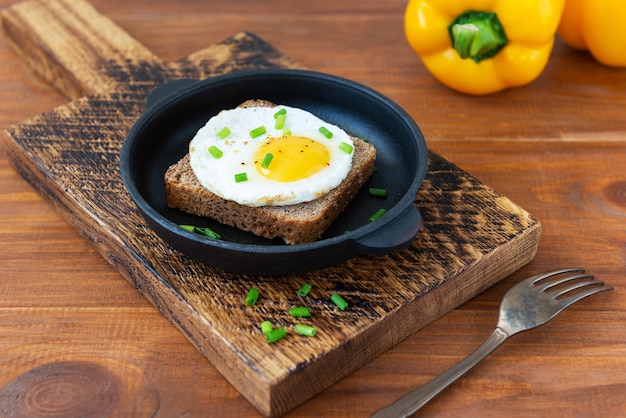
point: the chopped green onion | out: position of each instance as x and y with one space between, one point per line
339 301
267 160
208 232
189 228
378 214
345 147
282 111
286 132
378 192
257 131
307 330
275 334
215 151
253 295
224 132
239 177
304 290
300 311
328 134
280 121
204 231
266 327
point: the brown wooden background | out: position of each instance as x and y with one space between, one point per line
555 147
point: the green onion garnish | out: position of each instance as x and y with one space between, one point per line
304 290
275 334
307 330
328 134
282 111
266 327
339 301
378 214
215 151
286 132
239 177
345 147
267 160
204 231
208 232
257 131
253 295
378 192
189 228
300 311
280 121
224 132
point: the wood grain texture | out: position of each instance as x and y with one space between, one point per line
471 235
62 303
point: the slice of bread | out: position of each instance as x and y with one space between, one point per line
295 224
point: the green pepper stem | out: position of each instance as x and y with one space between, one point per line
477 35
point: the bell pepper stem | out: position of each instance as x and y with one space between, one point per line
464 36
477 35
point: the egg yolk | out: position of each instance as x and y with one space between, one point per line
292 158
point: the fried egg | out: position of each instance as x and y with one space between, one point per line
258 156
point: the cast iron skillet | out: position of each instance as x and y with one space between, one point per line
176 110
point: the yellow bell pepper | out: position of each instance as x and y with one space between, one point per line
483 46
597 26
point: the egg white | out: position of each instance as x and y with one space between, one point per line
238 148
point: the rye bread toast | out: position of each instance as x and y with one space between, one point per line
295 224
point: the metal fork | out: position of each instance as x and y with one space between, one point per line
525 306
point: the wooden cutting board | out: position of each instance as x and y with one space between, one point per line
471 238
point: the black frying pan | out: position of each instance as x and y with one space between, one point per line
176 110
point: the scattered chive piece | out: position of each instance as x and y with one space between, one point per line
286 132
275 334
300 311
266 327
189 228
304 290
253 295
328 134
257 131
345 147
239 177
378 192
280 121
208 232
307 330
215 151
224 132
282 111
378 214
267 160
339 301
204 231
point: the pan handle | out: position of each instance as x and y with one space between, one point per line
397 235
168 89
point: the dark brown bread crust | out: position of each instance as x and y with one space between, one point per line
300 223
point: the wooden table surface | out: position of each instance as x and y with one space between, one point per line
75 334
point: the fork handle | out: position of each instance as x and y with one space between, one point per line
417 398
